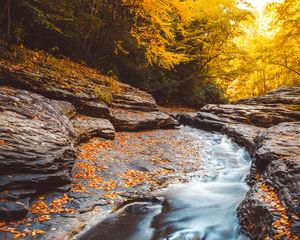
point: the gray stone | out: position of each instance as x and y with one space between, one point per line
88 127
36 141
126 120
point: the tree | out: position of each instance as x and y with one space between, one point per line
272 53
182 51
6 14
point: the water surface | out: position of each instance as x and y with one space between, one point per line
203 208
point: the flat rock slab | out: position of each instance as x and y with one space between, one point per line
125 120
88 127
36 142
107 173
257 115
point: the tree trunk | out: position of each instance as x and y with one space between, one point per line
3 13
8 23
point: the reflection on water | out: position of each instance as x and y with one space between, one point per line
204 208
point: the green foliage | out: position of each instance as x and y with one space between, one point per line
105 96
206 92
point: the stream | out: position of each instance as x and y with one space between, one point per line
203 208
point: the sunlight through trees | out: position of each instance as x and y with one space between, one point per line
189 52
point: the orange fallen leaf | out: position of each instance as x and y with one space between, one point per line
43 218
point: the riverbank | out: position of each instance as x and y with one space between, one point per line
269 127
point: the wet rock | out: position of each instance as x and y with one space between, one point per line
277 165
88 127
125 120
255 216
36 141
279 142
11 210
269 128
211 122
66 229
34 177
243 135
16 194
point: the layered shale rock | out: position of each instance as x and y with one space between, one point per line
133 99
272 207
92 94
281 105
61 105
244 135
257 115
36 145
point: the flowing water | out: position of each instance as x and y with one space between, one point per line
203 208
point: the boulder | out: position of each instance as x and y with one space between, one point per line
96 108
184 118
134 99
36 143
129 120
11 210
88 127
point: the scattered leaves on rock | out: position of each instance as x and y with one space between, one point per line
282 225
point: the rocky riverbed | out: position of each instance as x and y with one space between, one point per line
269 127
70 152
203 207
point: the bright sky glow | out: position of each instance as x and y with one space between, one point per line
263 20
260 4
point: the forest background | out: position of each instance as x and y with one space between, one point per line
184 52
